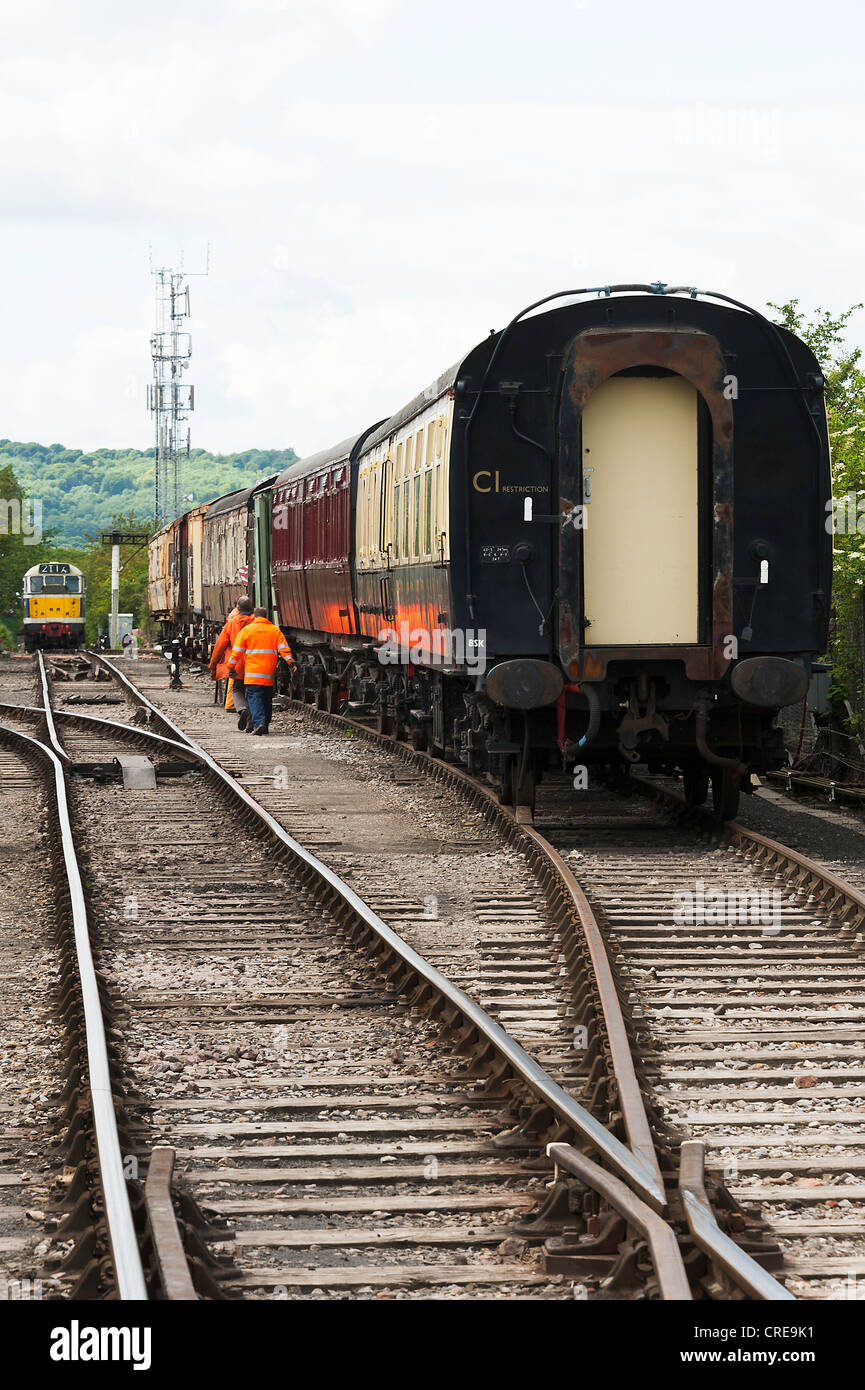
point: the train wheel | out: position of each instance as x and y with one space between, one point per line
695 781
726 784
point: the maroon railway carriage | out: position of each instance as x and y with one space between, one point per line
312 543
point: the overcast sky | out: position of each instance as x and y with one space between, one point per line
383 181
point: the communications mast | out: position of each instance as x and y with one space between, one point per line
169 398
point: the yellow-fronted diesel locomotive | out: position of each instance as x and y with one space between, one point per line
53 601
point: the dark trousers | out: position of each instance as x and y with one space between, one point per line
260 699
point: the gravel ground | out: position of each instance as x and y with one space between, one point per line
427 843
233 991
30 1031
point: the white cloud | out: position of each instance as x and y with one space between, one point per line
380 186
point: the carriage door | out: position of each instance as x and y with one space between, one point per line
261 553
640 486
385 540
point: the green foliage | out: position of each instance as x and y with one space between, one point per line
17 554
845 410
83 495
82 492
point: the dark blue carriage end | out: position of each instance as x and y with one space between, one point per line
524 684
769 682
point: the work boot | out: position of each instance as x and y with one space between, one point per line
243 721
260 730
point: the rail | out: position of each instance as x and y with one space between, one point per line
635 1187
98 724
768 853
634 1115
644 1177
168 1248
125 1255
744 1271
48 714
723 1252
659 1236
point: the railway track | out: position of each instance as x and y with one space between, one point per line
29 1031
312 1116
589 1233
748 1012
748 1032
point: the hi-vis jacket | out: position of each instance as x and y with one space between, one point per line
256 652
225 642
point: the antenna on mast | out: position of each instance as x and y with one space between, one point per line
169 399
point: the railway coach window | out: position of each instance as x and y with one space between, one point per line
428 494
361 514
386 526
378 503
73 583
35 586
416 548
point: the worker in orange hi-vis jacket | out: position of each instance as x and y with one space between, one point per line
256 651
235 697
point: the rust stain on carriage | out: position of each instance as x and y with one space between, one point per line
591 663
596 355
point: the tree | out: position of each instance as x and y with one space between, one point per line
22 545
81 492
824 332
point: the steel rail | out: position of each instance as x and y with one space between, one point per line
636 1206
745 1272
630 1096
167 1241
738 1260
632 1166
659 1236
123 1240
105 726
766 850
47 713
810 869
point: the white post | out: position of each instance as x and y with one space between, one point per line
115 595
